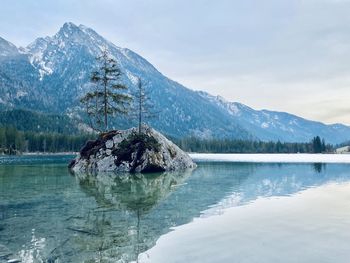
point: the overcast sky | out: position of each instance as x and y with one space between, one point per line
281 55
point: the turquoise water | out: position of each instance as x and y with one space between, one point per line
220 212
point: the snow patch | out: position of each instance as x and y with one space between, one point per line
264 125
37 60
134 80
21 94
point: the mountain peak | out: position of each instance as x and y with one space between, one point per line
69 26
68 30
81 35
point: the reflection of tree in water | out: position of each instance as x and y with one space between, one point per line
319 167
114 228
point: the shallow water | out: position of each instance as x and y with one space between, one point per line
221 212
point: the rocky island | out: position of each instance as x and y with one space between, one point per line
131 151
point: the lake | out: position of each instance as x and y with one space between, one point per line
221 212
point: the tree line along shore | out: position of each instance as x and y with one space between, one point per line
14 141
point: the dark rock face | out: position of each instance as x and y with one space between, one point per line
128 151
93 146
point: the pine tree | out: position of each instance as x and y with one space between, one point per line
19 141
107 98
317 144
143 108
323 148
2 138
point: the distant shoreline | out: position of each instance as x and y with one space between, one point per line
48 153
40 153
241 157
271 157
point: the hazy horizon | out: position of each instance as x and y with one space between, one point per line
288 57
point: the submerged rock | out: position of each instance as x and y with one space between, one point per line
5 253
128 151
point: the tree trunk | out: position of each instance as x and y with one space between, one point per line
105 94
140 106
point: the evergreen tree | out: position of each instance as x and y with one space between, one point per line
317 144
19 142
323 146
107 98
143 108
2 138
10 133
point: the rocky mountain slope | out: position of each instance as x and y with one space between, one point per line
273 125
52 73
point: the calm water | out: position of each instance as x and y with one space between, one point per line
221 212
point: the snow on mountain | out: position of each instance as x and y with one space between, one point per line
53 72
274 125
17 78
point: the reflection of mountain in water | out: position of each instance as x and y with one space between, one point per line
272 180
108 217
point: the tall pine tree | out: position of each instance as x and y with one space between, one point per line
108 96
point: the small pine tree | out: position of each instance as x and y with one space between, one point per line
143 108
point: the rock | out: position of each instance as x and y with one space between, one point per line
4 252
128 151
109 144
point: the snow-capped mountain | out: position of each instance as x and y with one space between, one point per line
19 84
273 125
52 73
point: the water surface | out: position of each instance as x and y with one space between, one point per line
221 212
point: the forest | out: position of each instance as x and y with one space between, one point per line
26 120
193 144
14 141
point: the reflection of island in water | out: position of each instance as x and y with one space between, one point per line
115 228
131 191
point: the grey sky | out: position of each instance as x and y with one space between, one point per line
281 55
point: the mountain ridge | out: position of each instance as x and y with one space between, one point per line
266 118
52 73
